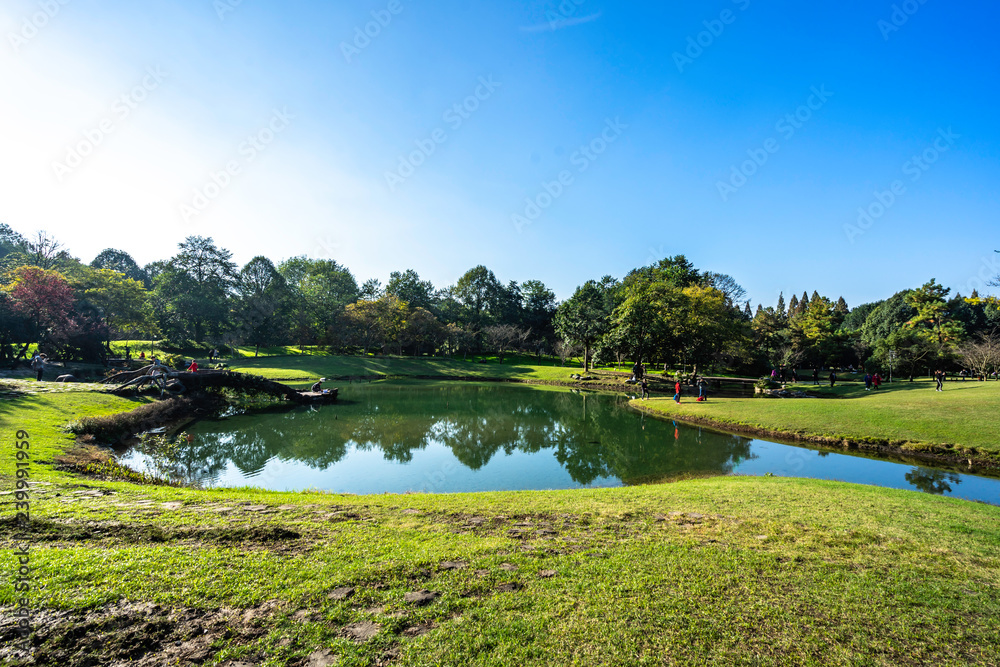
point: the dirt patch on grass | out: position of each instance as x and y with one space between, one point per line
142 635
45 531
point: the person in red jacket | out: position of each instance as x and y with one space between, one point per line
677 390
876 380
193 368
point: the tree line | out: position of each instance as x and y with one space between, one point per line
669 313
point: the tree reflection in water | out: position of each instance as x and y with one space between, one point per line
932 481
593 436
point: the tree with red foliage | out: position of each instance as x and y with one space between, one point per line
43 298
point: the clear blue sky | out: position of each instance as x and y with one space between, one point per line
316 183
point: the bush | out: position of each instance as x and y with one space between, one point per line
766 383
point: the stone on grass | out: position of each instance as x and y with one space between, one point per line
341 593
362 631
323 658
421 597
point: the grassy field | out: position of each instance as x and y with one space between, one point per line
306 368
961 419
729 570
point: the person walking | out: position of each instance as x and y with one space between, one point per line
702 390
38 365
193 368
833 378
876 381
795 375
816 375
868 381
645 389
939 380
677 391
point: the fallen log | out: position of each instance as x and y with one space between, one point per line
211 379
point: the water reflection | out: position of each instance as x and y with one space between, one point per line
933 481
592 436
384 437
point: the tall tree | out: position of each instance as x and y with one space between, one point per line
583 318
12 248
44 251
726 284
793 307
196 286
122 302
122 262
933 319
263 302
43 298
477 290
322 288
539 308
408 287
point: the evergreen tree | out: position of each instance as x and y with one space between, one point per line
793 307
781 309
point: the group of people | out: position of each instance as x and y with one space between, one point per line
781 374
939 378
701 383
872 381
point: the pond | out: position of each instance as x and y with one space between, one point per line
385 437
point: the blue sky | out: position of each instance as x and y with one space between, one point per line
272 128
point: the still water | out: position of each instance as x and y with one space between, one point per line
469 437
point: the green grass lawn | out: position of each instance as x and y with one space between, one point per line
727 570
962 418
306 368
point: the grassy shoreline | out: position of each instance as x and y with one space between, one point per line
908 419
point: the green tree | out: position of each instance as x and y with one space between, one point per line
583 318
196 286
123 303
263 302
408 287
12 248
122 262
793 307
539 309
933 318
321 290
